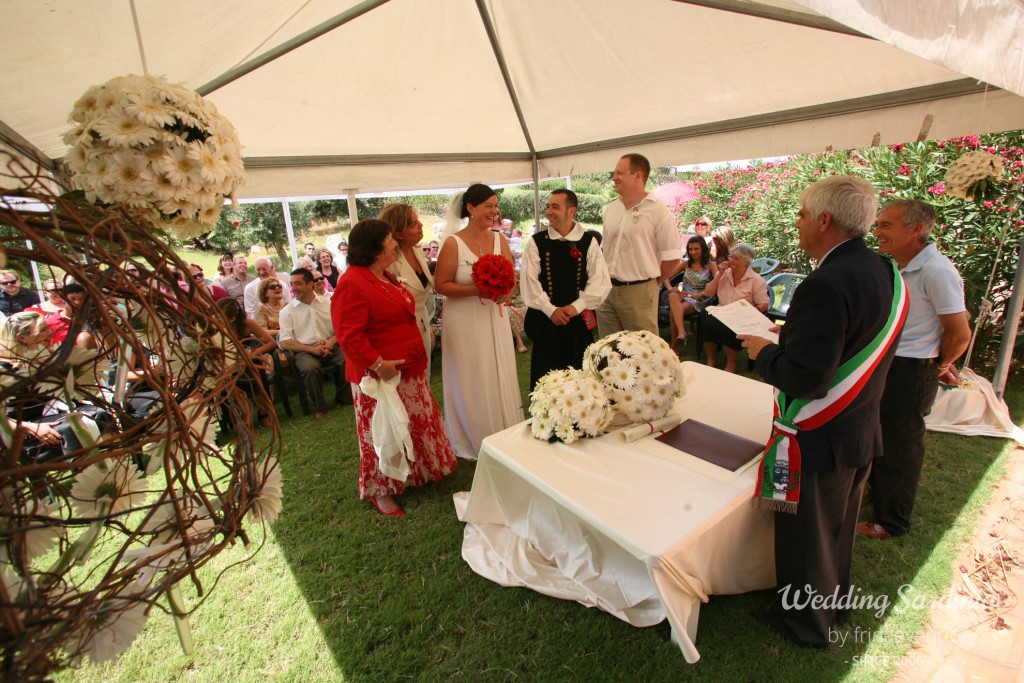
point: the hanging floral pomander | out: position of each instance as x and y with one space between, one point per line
974 176
149 144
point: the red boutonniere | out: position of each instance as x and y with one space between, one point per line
575 252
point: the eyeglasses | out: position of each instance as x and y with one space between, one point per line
274 287
318 279
701 224
198 276
7 283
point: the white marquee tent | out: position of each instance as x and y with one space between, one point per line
335 96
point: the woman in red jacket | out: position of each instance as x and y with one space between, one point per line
374 319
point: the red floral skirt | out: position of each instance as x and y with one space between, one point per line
434 455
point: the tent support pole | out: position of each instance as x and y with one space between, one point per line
499 56
1012 317
536 193
286 210
353 209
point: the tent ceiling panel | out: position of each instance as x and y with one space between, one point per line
631 69
979 38
325 97
408 88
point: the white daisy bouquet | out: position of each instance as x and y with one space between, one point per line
149 144
974 175
567 405
641 375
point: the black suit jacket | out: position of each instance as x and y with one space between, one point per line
835 313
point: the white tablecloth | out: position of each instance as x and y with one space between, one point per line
625 528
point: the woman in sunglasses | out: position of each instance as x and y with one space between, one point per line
703 227
199 281
267 314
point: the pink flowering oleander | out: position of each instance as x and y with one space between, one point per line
149 144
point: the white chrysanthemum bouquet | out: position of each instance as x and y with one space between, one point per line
567 405
641 375
974 175
146 143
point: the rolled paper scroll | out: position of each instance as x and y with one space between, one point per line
647 428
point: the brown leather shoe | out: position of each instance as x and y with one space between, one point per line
872 530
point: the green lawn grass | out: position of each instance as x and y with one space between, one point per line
340 593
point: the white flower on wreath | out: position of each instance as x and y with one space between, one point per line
146 143
108 488
147 561
108 632
267 505
37 529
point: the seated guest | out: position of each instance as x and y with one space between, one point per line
23 337
698 269
265 269
13 297
216 292
735 280
258 343
342 261
239 279
225 267
703 227
325 266
267 314
722 242
307 332
375 320
60 322
321 285
54 302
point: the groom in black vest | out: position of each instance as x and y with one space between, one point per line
836 312
564 279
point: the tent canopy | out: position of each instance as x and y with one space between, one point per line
331 96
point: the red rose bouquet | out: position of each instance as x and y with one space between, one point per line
494 276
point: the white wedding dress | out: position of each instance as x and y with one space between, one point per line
478 364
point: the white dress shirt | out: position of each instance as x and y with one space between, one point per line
637 240
598 281
306 323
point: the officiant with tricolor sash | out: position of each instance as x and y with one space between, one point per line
829 370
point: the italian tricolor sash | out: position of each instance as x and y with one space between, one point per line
778 477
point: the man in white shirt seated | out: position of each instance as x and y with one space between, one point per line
251 297
320 284
307 331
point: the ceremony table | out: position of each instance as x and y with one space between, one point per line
633 529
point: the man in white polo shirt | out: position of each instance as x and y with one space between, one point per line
641 247
935 335
265 268
307 331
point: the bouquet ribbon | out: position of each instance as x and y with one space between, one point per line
389 427
778 476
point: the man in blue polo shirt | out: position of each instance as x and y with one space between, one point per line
935 335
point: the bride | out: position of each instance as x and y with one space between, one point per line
481 388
